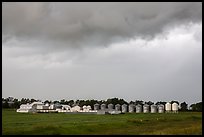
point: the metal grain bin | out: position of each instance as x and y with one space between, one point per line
168 107
175 107
88 107
153 109
138 108
96 106
160 108
84 107
146 108
117 107
103 106
110 106
124 108
131 108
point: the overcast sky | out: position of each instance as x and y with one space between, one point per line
133 51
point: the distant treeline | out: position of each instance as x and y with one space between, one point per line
11 102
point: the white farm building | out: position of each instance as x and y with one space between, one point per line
25 108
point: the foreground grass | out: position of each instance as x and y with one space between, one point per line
72 124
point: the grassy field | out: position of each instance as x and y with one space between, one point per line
186 123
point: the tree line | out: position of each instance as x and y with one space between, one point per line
15 103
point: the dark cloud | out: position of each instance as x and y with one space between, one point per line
93 24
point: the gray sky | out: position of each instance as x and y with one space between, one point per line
143 51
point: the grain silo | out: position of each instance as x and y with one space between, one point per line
175 107
103 106
160 108
96 106
131 108
168 107
88 107
153 108
138 108
110 106
117 107
146 108
84 107
124 108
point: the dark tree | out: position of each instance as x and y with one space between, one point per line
62 101
184 106
139 102
55 102
70 102
196 107
161 102
5 104
82 103
199 106
131 102
47 101
33 100
122 101
77 102
149 103
16 103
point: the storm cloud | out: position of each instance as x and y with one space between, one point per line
93 24
146 51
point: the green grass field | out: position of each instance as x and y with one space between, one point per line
186 123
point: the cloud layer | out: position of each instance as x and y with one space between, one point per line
93 24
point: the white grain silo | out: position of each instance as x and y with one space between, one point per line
160 108
117 107
110 106
138 108
88 107
175 107
96 106
131 108
84 108
146 108
103 106
153 109
168 107
124 108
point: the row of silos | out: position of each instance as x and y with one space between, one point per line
171 107
125 108
139 108
110 107
103 107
